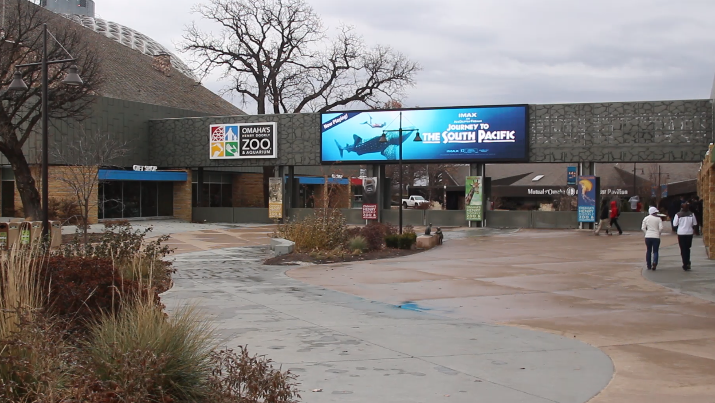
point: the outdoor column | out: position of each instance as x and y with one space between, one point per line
383 190
291 188
200 187
280 173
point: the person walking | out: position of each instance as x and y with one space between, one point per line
685 221
652 226
673 209
696 206
615 213
604 218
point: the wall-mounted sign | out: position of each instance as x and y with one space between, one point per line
494 133
148 168
614 192
275 198
571 175
588 190
243 141
474 202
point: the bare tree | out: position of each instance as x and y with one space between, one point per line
21 42
277 53
81 162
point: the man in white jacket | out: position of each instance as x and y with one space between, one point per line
685 221
652 226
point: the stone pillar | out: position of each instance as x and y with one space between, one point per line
182 198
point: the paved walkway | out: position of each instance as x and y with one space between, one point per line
357 350
569 283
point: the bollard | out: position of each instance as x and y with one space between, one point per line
25 233
55 234
3 235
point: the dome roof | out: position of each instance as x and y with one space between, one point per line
130 38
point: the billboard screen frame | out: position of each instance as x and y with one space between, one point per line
527 138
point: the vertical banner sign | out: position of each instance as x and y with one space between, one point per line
663 191
571 175
275 197
474 202
369 199
587 195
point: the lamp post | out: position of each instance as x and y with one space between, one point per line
17 84
383 139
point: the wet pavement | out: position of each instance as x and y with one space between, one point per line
661 338
358 350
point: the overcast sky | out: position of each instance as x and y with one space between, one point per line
482 52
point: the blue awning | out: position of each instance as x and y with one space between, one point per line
308 180
157 176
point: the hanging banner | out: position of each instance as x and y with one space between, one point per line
587 198
571 175
474 202
369 198
275 197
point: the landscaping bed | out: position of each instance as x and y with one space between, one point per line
296 258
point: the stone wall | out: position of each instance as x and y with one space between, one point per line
248 190
60 190
658 131
182 199
706 190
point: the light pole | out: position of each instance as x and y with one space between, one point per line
17 84
383 139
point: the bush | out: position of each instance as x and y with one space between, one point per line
375 234
325 230
82 288
244 378
404 241
358 243
65 210
142 352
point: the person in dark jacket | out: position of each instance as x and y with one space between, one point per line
614 214
696 206
605 218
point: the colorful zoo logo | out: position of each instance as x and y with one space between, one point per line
243 140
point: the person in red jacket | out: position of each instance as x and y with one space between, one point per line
614 216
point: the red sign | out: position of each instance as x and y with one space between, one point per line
369 211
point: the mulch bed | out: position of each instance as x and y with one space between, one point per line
295 258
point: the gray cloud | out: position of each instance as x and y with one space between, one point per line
510 51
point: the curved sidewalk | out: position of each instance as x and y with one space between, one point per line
357 350
566 282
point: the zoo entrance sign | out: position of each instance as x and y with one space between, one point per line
243 141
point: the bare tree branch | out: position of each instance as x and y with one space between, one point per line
276 53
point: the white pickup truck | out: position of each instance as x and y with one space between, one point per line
413 201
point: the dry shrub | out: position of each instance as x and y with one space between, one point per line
21 291
325 230
245 378
358 243
175 352
35 361
65 210
375 234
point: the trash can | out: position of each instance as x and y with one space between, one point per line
25 233
13 233
3 235
55 234
36 231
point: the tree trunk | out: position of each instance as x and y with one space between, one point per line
85 221
25 183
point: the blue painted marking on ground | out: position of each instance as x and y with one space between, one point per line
412 306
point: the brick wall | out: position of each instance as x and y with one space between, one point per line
59 190
248 190
706 190
182 199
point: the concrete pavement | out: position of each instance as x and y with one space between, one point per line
357 350
568 283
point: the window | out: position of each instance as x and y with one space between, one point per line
129 199
217 189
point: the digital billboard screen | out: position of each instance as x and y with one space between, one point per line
488 133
